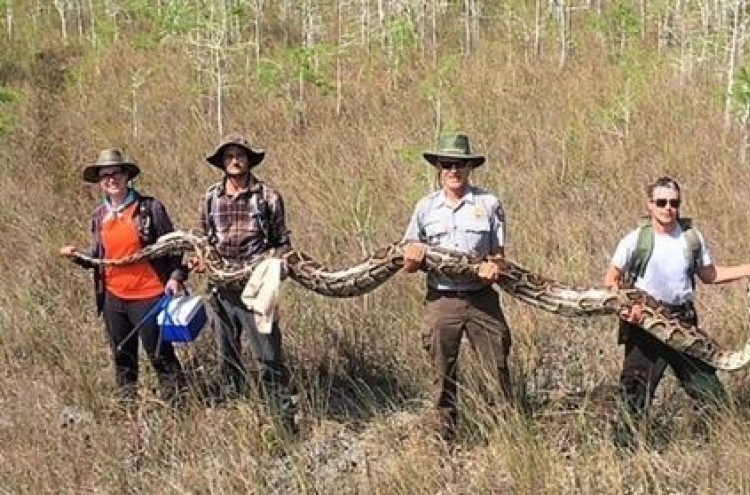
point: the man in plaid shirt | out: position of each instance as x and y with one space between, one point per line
243 217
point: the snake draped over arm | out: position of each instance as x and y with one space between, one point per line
520 283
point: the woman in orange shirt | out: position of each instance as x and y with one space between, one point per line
124 223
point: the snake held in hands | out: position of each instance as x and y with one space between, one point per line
370 273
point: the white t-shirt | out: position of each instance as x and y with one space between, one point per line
666 276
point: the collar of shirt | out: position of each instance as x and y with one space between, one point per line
468 198
254 186
116 211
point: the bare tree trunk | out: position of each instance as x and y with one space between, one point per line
538 28
257 25
381 24
735 51
92 24
686 52
434 35
468 12
219 67
439 109
422 28
364 23
138 79
339 44
9 19
79 18
564 17
60 6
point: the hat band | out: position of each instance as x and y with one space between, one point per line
456 151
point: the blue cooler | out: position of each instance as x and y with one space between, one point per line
181 319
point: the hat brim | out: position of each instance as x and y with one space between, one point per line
255 156
475 160
91 173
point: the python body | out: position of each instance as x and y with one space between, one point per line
373 271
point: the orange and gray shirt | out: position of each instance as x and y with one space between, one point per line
164 267
120 238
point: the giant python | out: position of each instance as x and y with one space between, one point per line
370 273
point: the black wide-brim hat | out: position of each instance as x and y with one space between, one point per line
454 147
110 158
255 155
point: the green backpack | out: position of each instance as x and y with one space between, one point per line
636 265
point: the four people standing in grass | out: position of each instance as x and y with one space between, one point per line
662 257
122 224
464 218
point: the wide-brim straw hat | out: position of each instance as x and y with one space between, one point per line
110 158
454 147
255 155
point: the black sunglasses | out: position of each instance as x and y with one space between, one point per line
661 202
457 165
116 174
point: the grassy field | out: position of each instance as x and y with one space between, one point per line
576 107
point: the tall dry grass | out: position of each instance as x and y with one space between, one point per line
569 152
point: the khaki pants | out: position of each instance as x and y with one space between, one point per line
448 316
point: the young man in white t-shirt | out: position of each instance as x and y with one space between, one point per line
668 277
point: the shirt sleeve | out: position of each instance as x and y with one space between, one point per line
414 231
625 250
705 254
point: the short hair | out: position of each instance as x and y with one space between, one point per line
664 181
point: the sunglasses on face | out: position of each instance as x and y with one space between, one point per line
662 203
111 175
458 165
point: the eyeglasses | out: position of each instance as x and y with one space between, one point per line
661 202
457 165
111 175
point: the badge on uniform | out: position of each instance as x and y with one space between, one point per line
478 211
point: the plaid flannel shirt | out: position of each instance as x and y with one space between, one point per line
237 220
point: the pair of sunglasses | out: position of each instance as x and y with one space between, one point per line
457 165
661 202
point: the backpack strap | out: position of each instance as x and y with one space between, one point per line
146 227
209 199
692 247
260 203
97 220
644 247
636 265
